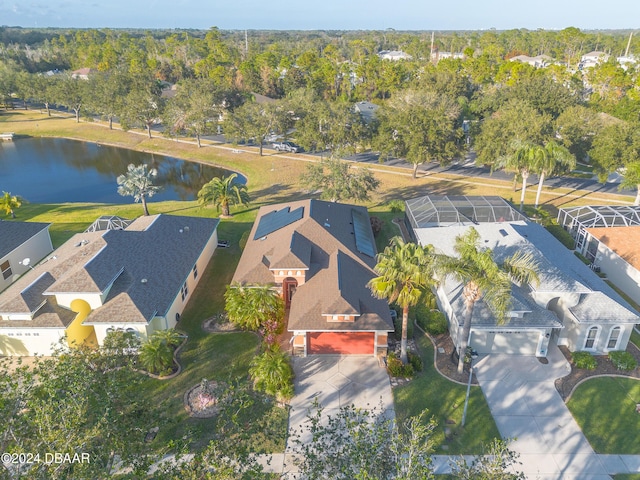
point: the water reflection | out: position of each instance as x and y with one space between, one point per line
53 170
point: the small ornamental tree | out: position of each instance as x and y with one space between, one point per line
138 183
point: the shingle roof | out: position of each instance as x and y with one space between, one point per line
323 241
161 249
596 307
14 234
625 241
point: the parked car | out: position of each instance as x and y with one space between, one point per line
287 147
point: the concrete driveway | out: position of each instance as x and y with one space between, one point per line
523 400
337 381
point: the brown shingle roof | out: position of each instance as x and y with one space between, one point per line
625 241
322 240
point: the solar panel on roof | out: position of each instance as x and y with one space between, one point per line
363 234
274 221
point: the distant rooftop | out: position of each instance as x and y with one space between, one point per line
14 234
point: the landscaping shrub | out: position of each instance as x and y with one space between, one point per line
396 206
273 374
415 361
396 368
431 321
582 258
244 239
584 360
562 235
623 360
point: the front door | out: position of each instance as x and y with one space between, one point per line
289 286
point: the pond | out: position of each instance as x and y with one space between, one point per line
55 170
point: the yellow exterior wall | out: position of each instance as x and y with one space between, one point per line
78 334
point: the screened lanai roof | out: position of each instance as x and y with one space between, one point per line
599 216
443 210
107 222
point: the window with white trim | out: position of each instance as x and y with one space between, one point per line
5 268
184 291
614 338
590 341
195 272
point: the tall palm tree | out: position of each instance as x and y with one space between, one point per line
522 160
9 203
406 271
485 279
137 183
550 159
252 306
224 192
631 179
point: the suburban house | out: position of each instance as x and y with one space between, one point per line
22 244
394 55
539 61
437 55
320 256
591 59
135 277
367 111
609 237
571 305
83 73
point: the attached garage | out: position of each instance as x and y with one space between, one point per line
506 342
341 343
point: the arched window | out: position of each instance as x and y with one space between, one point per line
614 338
590 340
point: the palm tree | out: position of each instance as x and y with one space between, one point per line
9 203
137 182
551 158
631 179
169 337
406 271
156 356
485 279
252 306
224 192
272 373
522 160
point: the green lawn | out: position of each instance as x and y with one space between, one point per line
445 401
605 409
635 338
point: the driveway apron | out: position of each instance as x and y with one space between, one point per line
336 381
527 408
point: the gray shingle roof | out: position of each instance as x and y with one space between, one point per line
161 249
596 307
14 234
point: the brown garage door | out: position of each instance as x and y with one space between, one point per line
354 343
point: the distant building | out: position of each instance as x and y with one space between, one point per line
437 55
539 61
627 61
591 59
83 73
394 55
367 111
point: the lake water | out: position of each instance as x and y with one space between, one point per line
54 170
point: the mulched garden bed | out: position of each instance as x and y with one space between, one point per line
565 385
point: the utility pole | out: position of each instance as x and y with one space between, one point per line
246 44
626 52
431 53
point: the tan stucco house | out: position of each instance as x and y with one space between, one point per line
320 256
137 276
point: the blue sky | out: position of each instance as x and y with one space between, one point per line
324 14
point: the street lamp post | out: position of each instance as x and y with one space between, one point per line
472 356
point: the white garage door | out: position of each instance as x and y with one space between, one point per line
512 343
